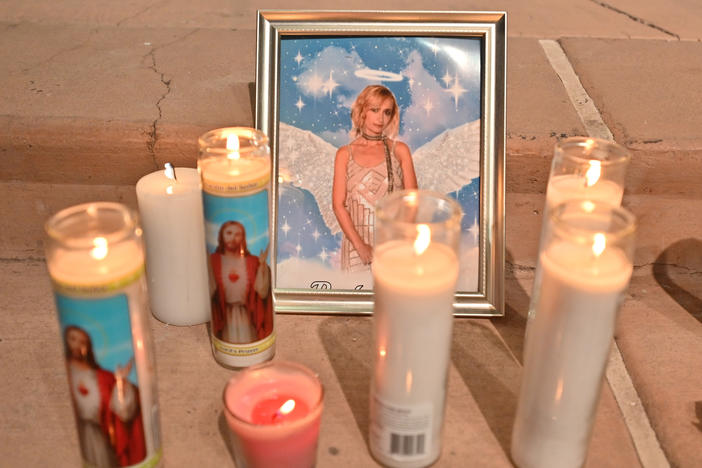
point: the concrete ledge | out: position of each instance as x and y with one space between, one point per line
660 336
482 388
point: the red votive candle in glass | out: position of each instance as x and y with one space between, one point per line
274 410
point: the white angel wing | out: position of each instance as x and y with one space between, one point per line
307 161
449 161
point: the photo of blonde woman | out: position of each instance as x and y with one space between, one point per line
374 164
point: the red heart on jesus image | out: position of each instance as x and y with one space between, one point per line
82 389
233 277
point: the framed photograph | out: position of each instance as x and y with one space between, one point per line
358 104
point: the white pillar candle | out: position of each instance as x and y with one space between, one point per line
413 321
566 354
176 261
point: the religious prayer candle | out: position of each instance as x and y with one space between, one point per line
274 411
170 205
587 168
585 266
415 270
95 259
235 169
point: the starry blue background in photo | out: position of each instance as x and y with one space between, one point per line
437 84
321 77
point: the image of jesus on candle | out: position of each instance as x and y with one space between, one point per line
242 309
106 405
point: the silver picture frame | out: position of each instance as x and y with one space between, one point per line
276 30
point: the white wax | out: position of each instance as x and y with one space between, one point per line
412 322
176 260
238 176
566 353
76 269
562 188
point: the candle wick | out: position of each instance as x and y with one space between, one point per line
277 415
170 169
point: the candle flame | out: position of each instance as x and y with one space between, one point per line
593 173
100 249
287 407
588 206
233 146
599 243
382 352
423 239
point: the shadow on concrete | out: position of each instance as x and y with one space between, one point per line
226 434
348 342
513 325
698 412
678 269
484 365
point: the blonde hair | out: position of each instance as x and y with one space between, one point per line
371 94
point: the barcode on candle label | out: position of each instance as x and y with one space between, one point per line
401 432
402 444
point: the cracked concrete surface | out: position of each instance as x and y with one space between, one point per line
635 18
153 134
94 96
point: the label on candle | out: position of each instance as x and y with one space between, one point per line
235 177
110 376
236 231
401 432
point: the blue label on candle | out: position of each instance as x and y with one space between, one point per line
237 238
116 425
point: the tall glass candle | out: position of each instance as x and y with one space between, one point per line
274 410
583 168
415 270
585 266
95 258
170 205
587 168
235 168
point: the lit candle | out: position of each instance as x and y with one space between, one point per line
583 169
583 274
95 259
587 168
235 169
415 277
562 188
274 411
170 205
